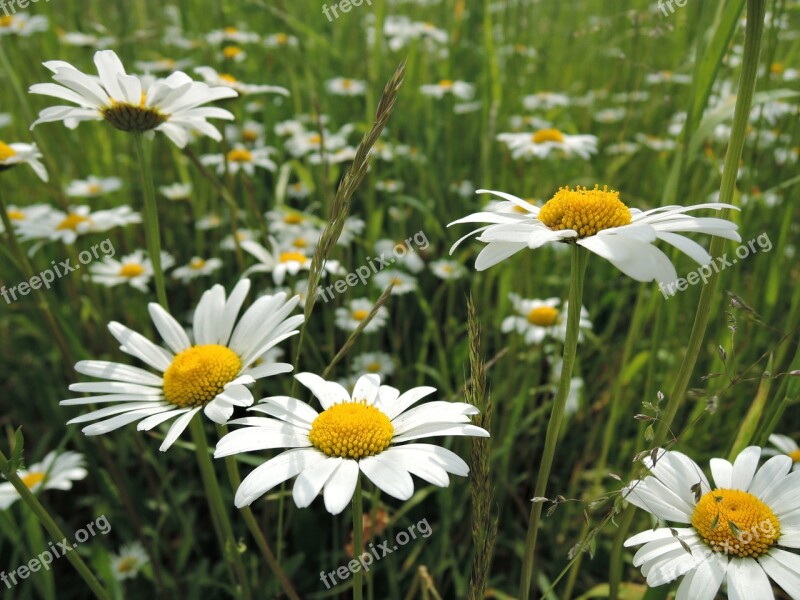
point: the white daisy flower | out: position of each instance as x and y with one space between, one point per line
380 363
353 226
740 531
5 119
298 190
134 269
56 471
130 103
21 24
209 374
362 433
598 220
448 270
542 143
349 317
234 53
86 40
12 155
250 132
23 213
545 101
130 559
281 261
538 319
342 86
240 158
784 445
305 142
459 89
176 191
403 283
232 34
279 40
93 186
209 221
162 65
400 253
80 220
667 77
225 80
197 267
230 241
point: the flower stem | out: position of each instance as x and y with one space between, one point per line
230 548
52 528
151 218
577 270
358 534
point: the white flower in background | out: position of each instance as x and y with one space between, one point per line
349 317
130 103
459 89
402 282
305 142
353 226
464 188
342 155
86 40
56 471
5 119
545 101
298 190
342 86
197 267
234 53
655 143
741 531
135 269
21 24
162 65
542 143
599 221
80 220
23 213
609 115
230 241
784 445
209 221
448 270
400 253
211 77
232 34
379 363
130 559
12 155
250 133
536 320
358 433
281 262
209 374
391 186
241 158
280 40
667 77
176 191
93 186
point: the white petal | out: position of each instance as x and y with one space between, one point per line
388 474
327 392
722 472
177 428
340 486
276 470
309 483
252 439
747 581
170 330
784 568
744 467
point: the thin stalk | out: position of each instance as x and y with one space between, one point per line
53 529
151 219
577 270
358 534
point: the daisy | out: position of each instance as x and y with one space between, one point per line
176 191
21 24
342 86
230 241
209 373
225 80
448 270
133 269
545 101
542 143
232 34
459 89
162 65
349 317
240 158
92 186
403 283
537 319
380 363
598 220
86 40
250 132
738 531
280 39
402 254
127 563
785 445
56 471
23 213
305 142
5 119
362 433
209 221
197 267
171 105
234 53
281 261
12 155
80 220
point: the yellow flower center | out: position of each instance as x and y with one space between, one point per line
6 21
131 270
197 263
299 243
231 51
292 257
6 151
777 68
547 135
127 564
585 211
351 430
281 38
347 84
94 188
374 367
543 316
227 78
795 456
240 155
16 215
199 373
360 314
230 30
249 135
314 139
446 83
736 522
130 117
71 222
293 219
31 479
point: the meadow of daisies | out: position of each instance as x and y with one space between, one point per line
400 299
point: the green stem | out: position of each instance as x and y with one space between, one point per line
230 548
577 270
151 218
358 534
52 528
744 101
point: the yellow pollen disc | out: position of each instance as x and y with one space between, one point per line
281 38
249 135
776 68
795 456
71 222
241 236
240 155
126 564
199 373
31 479
197 263
227 78
547 135
131 270
6 21
736 522
293 219
360 314
374 367
16 215
230 30
585 211
292 256
351 430
231 52
6 151
446 83
347 84
299 243
94 188
314 139
543 316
